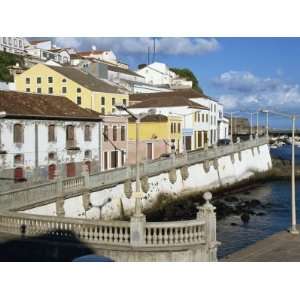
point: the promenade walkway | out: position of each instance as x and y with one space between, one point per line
280 247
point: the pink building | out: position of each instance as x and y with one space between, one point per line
114 141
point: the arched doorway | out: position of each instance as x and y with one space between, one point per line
88 165
19 175
71 170
51 171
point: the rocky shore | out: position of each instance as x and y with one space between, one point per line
184 206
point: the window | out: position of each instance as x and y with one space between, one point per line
71 169
114 159
87 154
50 79
15 43
38 80
27 90
70 133
171 127
27 80
64 89
51 171
39 90
64 80
20 44
87 133
203 118
123 158
206 118
102 100
105 160
51 133
9 41
78 100
105 133
103 110
50 90
178 127
113 110
113 101
115 133
18 133
123 130
18 159
78 90
4 41
51 156
124 102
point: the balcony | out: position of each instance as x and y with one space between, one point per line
72 145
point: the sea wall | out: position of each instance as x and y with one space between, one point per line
117 201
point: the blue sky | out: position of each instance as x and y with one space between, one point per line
242 73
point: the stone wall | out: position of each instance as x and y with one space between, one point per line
115 201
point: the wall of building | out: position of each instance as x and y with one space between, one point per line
113 202
89 99
36 148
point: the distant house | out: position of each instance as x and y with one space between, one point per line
159 135
82 88
105 55
14 45
160 74
43 136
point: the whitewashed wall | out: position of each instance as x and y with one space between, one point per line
228 172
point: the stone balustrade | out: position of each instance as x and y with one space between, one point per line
47 192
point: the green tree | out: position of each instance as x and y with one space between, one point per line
6 60
188 75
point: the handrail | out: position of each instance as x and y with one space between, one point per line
50 190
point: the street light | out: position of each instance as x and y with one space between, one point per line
293 117
138 196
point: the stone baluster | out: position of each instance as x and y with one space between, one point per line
207 213
138 230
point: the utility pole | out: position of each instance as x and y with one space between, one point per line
153 57
293 229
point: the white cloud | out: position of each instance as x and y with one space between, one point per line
173 46
244 90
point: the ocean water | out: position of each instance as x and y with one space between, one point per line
276 197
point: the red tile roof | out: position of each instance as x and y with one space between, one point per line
26 105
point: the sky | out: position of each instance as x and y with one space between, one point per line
245 74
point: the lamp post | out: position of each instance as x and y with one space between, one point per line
293 117
138 208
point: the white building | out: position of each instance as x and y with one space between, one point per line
14 45
160 74
43 136
204 122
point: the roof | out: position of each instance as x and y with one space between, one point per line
87 53
38 41
122 70
151 118
24 105
166 101
187 93
86 80
58 49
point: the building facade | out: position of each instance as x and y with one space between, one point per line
39 140
114 141
159 135
83 89
14 45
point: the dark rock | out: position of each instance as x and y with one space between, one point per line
231 199
233 224
245 217
260 214
247 193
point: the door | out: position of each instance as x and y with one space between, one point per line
149 151
19 175
188 143
71 171
51 171
88 164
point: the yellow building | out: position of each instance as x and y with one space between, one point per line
82 88
157 135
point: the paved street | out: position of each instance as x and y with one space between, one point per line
280 247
